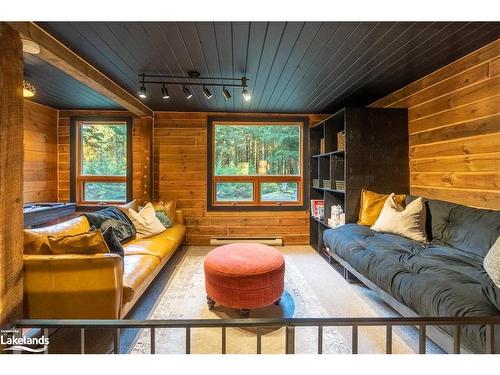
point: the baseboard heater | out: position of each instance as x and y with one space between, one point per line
274 241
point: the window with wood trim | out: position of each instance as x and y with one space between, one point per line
102 161
256 164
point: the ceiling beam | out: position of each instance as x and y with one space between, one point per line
57 54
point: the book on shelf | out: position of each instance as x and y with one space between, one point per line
322 148
318 208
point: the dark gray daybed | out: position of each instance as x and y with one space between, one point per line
442 278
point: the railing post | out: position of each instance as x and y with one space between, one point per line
421 339
82 340
223 340
188 340
354 339
320 339
46 334
153 340
388 339
490 339
290 340
117 341
456 339
259 341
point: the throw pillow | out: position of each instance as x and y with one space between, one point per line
491 263
407 222
145 221
84 243
165 212
113 242
36 243
371 205
132 204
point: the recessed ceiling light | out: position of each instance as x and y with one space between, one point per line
30 47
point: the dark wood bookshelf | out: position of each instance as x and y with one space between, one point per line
375 157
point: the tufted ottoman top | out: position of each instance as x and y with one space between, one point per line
247 266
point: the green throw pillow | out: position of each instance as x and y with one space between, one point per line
163 217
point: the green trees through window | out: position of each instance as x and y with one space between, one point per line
103 162
256 163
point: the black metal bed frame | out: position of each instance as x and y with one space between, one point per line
289 324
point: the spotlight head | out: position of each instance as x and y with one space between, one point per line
246 94
164 92
186 91
142 92
207 92
226 93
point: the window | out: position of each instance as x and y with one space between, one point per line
102 161
256 163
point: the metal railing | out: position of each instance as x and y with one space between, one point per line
289 324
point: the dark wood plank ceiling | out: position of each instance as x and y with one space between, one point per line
59 90
296 67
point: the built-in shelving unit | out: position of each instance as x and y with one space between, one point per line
375 157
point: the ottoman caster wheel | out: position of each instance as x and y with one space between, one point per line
210 303
244 313
277 302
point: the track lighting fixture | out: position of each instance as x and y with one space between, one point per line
246 94
164 92
187 92
193 79
207 92
142 92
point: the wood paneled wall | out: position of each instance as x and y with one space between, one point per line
40 153
11 177
180 173
454 126
141 146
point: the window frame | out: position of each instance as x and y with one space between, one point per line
257 204
77 180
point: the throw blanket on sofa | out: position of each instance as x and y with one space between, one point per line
123 228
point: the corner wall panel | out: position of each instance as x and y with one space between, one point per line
454 128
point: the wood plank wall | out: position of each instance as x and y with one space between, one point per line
454 126
180 168
40 153
141 146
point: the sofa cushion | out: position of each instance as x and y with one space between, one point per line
74 226
137 268
162 245
492 263
432 279
83 243
466 228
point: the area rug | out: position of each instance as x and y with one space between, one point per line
185 298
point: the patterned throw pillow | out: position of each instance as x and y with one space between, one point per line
491 263
163 217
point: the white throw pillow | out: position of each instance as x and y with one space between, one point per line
407 222
145 221
491 263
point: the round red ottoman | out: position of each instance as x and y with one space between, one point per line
244 276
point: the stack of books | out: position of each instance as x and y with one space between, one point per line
318 208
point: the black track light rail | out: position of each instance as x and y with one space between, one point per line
193 83
167 78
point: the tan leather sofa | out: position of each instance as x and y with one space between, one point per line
97 286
